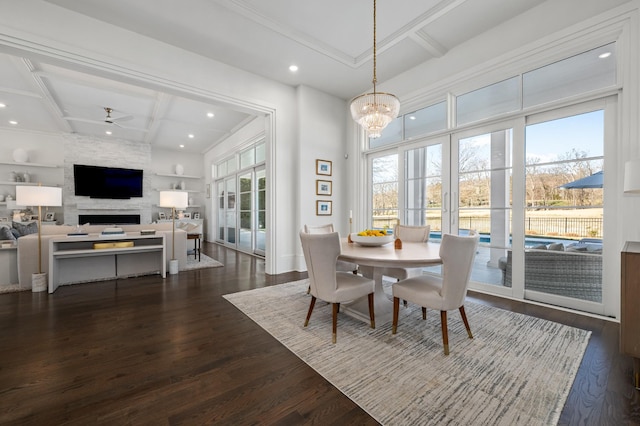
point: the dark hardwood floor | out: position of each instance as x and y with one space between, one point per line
151 351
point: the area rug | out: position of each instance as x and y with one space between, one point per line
12 288
517 370
205 262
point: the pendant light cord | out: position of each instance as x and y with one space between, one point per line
375 80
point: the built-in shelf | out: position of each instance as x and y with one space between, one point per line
179 190
13 163
178 176
8 182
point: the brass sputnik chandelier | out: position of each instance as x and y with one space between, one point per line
375 110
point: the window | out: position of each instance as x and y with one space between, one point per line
489 101
384 178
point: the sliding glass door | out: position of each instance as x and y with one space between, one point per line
241 189
242 210
532 187
481 196
564 214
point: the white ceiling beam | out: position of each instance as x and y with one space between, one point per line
50 102
434 48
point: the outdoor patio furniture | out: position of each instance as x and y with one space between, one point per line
565 273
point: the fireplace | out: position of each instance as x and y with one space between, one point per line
109 219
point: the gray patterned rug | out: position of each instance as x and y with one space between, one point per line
517 369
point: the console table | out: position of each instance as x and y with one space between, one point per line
75 260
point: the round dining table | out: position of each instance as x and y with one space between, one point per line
371 262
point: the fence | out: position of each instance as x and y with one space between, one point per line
581 227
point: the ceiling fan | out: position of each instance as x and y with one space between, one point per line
108 120
111 120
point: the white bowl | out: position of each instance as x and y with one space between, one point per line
371 241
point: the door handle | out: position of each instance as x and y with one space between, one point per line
444 202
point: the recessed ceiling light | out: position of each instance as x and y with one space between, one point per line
108 132
293 68
412 117
181 145
210 115
13 122
604 55
191 136
2 105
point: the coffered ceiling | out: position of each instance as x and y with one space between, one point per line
330 41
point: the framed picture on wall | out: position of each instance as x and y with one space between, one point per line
161 216
323 187
186 215
50 216
323 208
196 215
323 167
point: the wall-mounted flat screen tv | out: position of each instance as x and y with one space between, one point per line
107 182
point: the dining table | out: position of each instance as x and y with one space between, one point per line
371 262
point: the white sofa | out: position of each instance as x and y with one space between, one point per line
28 246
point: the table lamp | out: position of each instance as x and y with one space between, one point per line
174 200
632 177
47 196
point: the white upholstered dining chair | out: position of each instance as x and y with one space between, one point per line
408 234
320 253
341 265
446 292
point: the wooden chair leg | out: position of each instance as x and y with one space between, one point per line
311 305
372 314
396 308
424 313
445 333
466 323
336 306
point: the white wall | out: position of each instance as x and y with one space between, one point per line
322 135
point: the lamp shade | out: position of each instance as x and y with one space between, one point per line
632 177
38 196
176 199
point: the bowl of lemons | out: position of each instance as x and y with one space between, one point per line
372 237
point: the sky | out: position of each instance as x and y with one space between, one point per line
583 132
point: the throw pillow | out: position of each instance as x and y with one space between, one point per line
30 228
6 234
556 246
